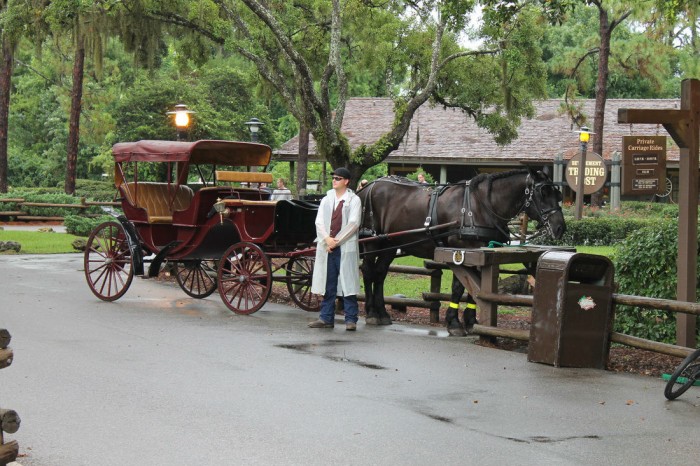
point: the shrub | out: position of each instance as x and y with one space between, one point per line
83 226
645 265
601 231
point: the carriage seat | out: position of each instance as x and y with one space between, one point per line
244 177
159 200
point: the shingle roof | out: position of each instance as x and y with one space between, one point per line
440 135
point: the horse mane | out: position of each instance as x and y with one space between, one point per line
491 177
396 179
474 182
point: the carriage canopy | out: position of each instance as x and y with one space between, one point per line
198 152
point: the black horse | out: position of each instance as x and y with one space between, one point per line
464 215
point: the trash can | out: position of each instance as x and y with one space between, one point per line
572 310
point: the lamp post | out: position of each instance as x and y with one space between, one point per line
182 120
583 136
254 126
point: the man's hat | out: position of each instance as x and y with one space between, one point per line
342 172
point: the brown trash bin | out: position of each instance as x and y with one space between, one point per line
572 310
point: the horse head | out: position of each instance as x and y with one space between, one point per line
543 203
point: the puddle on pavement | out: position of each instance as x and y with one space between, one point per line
308 348
419 331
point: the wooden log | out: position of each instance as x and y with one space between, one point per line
12 213
9 199
9 421
396 301
6 356
9 452
516 334
655 346
42 204
506 298
5 338
442 297
657 303
99 203
39 218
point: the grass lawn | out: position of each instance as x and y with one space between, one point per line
37 242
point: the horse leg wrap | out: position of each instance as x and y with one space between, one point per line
454 326
469 316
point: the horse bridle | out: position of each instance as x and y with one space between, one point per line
530 198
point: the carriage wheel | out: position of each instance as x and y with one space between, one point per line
196 277
108 262
668 189
245 278
299 274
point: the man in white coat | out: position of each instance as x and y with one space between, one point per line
336 270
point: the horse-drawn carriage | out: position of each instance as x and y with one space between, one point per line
225 233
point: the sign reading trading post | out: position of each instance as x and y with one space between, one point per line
643 165
594 174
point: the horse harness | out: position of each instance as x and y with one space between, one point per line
468 230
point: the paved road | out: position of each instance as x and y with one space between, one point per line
158 378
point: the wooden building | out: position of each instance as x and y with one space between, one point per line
448 144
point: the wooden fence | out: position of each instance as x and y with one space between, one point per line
432 300
23 215
9 420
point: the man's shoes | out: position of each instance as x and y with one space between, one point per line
320 324
351 326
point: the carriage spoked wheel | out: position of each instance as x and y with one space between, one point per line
684 377
245 278
196 277
107 261
299 274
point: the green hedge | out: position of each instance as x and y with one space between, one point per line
83 226
600 231
645 265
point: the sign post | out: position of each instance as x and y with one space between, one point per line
684 127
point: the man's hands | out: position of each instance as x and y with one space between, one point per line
331 244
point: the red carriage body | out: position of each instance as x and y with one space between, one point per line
219 235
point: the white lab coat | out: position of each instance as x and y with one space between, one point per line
349 279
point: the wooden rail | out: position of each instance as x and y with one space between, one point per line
617 299
23 215
401 303
9 419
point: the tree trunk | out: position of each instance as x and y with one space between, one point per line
5 82
601 92
75 109
303 162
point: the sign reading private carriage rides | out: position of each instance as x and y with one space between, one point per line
643 165
594 176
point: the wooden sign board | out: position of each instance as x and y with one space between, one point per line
595 174
643 165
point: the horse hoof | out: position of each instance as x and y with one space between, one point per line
372 321
385 321
457 332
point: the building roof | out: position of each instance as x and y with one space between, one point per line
448 136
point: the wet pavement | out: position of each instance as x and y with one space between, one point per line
158 378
